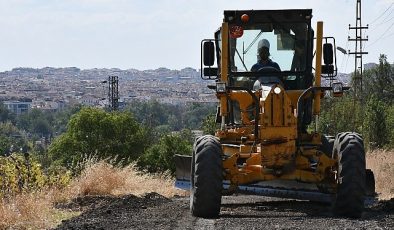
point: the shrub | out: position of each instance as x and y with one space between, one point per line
159 157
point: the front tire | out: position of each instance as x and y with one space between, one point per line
206 178
349 150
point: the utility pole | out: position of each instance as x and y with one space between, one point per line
113 93
358 52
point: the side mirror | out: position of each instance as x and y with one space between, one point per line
208 60
328 57
209 53
328 54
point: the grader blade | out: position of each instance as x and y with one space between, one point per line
182 167
258 189
275 188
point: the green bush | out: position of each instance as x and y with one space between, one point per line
103 134
159 157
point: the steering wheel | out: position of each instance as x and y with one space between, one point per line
268 69
267 79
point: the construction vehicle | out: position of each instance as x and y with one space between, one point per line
268 141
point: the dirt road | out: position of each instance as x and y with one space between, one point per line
154 211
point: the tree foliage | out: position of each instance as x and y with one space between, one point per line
36 122
176 117
11 139
371 114
159 157
375 126
379 81
209 125
6 115
339 115
103 134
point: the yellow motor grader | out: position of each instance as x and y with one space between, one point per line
268 142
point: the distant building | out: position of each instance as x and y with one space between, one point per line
89 100
52 106
18 107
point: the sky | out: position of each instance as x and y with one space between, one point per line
148 34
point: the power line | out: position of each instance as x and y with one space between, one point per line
384 21
384 33
388 36
381 14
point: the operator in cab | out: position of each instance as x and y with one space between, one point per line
264 63
263 60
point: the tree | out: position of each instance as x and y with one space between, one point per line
379 81
36 122
376 131
41 128
6 115
378 100
209 125
152 113
177 117
159 157
94 132
11 139
61 119
196 113
340 115
390 125
372 114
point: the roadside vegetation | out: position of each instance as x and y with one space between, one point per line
371 114
94 153
37 208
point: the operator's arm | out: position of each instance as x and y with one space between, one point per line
275 65
255 67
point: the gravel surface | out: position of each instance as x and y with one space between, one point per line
154 211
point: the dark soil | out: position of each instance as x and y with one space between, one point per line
154 211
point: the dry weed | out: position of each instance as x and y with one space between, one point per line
103 178
139 183
25 211
382 164
99 179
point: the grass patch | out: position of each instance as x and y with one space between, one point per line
382 164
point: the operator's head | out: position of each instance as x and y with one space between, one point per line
263 49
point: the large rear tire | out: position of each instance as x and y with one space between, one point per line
349 150
206 178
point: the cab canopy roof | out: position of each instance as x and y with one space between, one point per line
261 16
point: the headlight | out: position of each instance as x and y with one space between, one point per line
277 90
220 87
337 87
